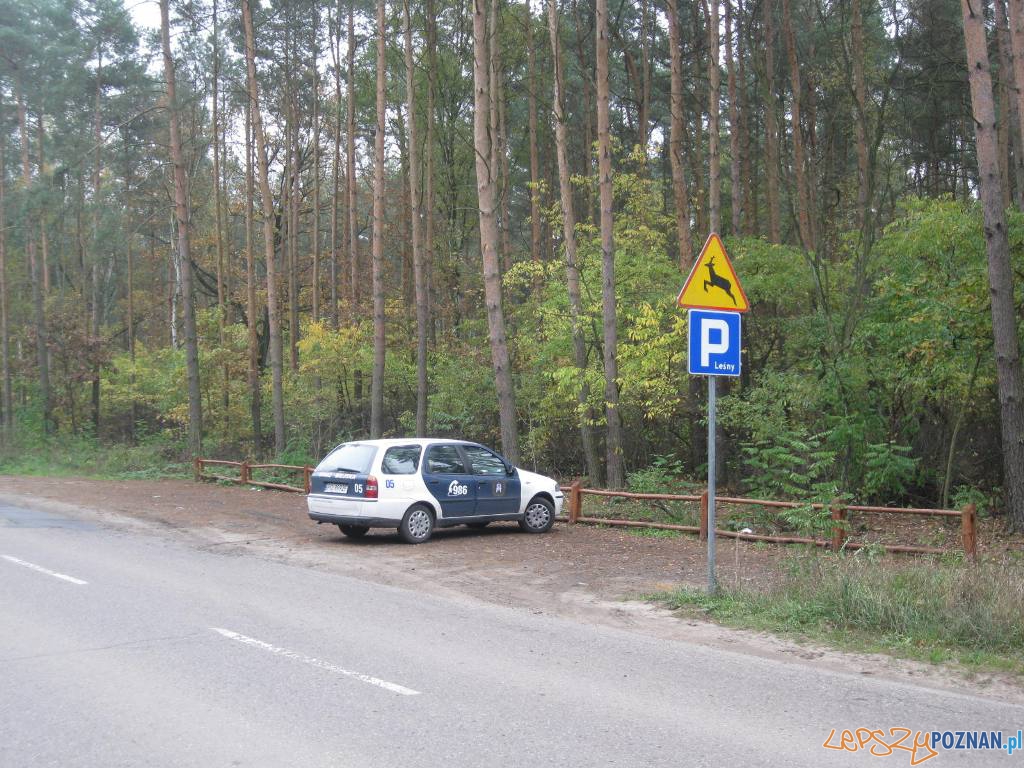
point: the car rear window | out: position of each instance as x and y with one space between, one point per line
350 457
401 460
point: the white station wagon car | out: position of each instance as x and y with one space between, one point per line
415 485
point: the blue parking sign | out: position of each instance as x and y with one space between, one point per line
714 343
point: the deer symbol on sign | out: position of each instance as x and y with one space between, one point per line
717 281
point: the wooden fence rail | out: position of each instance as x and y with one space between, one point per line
838 512
245 470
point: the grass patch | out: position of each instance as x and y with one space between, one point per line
654 533
85 457
932 610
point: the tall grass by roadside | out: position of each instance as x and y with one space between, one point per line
933 609
86 457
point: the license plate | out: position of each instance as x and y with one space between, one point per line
336 487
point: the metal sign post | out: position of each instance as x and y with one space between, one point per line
712 582
716 301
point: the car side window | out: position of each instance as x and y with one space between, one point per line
401 460
445 460
483 461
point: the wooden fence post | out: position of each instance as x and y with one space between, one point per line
307 477
969 530
838 525
704 516
197 469
245 472
575 501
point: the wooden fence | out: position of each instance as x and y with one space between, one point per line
838 512
245 470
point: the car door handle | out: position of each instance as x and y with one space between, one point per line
434 482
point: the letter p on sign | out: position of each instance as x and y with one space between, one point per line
714 343
707 346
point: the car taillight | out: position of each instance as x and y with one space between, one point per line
371 488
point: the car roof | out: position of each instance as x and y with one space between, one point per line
420 441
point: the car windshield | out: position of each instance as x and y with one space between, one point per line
350 457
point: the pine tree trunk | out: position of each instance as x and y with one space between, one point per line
274 322
749 181
1000 273
644 108
428 145
1015 9
44 218
195 413
403 236
336 171
218 214
680 193
486 171
130 293
714 108
734 130
96 304
377 381
1008 109
572 272
861 114
615 472
293 232
531 92
588 110
499 155
803 201
222 296
695 140
350 167
771 125
255 394
416 207
6 396
315 223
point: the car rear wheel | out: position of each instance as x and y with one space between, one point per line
417 525
539 516
354 531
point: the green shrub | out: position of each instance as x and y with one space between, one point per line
664 475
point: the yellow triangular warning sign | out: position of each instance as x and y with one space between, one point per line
712 283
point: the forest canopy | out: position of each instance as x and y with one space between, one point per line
261 229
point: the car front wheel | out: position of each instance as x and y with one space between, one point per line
417 525
539 516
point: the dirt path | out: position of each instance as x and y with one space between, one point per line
579 572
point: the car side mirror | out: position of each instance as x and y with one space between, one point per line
509 469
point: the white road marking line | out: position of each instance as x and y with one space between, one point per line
47 571
393 687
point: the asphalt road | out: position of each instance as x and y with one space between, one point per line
121 648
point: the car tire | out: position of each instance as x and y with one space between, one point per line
539 516
417 525
479 526
354 531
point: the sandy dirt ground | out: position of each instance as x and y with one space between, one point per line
579 572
